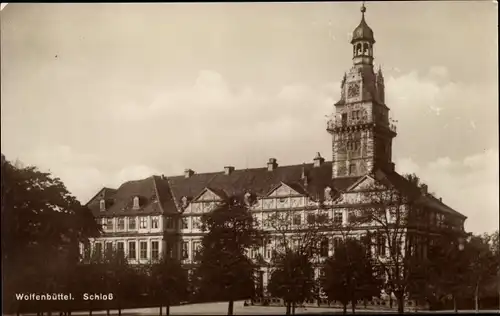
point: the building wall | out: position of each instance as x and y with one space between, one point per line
283 200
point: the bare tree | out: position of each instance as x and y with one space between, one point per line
390 213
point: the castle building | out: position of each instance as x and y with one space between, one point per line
139 216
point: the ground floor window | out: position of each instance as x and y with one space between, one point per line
185 246
120 248
132 251
155 249
143 249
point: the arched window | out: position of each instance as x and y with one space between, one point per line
358 49
328 193
136 202
102 205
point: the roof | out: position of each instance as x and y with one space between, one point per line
162 195
154 198
412 191
363 31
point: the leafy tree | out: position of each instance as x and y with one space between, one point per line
42 225
443 272
168 282
225 272
350 275
483 266
292 278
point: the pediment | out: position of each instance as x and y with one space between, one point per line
208 195
282 190
363 183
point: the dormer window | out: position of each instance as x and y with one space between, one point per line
184 201
102 205
328 193
136 203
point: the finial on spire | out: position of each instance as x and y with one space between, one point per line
363 8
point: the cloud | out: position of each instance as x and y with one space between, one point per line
469 185
435 114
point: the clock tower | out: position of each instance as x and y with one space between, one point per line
361 130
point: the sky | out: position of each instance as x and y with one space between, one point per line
100 94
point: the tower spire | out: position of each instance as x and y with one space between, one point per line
363 10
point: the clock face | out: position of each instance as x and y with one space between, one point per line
353 90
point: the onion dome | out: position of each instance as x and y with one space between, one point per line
363 31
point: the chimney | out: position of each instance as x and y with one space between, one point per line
163 177
228 170
188 173
441 200
318 160
423 188
272 164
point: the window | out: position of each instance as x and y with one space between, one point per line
136 203
155 222
121 223
102 205
120 248
381 246
310 218
109 224
143 249
323 248
155 250
296 244
185 250
337 241
297 219
344 118
132 251
196 222
109 248
184 223
433 218
196 249
170 222
338 217
143 222
86 251
352 168
98 249
268 249
265 220
132 223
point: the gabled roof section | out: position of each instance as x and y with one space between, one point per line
104 193
258 181
210 194
286 189
413 191
122 200
358 184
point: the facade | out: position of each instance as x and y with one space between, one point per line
160 215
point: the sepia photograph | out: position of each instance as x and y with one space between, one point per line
249 158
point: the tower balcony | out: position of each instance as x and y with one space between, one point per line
339 124
336 124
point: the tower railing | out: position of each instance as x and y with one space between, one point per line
335 123
338 123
